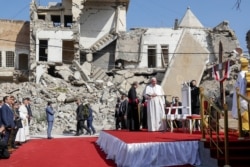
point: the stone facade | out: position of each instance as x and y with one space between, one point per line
14 50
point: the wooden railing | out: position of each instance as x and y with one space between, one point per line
239 96
210 124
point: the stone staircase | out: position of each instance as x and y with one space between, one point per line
99 74
103 42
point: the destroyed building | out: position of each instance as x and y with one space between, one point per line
82 47
14 50
94 31
76 31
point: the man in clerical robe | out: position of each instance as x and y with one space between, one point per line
241 83
133 113
155 106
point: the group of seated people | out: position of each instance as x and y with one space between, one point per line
14 124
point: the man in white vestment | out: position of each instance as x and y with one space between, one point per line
155 106
241 83
23 133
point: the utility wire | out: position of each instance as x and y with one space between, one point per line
18 43
20 11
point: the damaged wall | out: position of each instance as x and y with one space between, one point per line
96 22
14 50
55 43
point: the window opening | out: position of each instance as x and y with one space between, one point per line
151 56
56 19
43 50
9 59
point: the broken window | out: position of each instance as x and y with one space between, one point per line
9 59
164 53
68 52
68 20
0 59
56 19
151 56
43 50
83 58
41 17
23 62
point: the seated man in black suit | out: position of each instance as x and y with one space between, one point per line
4 154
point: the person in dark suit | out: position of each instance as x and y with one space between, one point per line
50 118
17 120
90 120
81 118
4 153
133 113
7 117
195 100
1 122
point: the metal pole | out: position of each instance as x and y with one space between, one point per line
221 73
226 133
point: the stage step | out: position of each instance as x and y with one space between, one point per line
238 152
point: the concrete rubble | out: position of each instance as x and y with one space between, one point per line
64 87
67 84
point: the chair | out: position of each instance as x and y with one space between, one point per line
172 116
193 118
197 117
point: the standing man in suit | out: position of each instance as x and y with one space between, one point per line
195 100
90 119
81 118
133 114
7 117
50 118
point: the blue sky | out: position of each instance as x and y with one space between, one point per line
161 13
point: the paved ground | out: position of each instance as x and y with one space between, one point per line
232 123
44 136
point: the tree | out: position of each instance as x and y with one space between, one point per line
237 4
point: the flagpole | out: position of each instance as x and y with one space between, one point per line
221 74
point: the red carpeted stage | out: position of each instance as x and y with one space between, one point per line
145 148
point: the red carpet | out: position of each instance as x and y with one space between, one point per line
145 136
79 152
64 152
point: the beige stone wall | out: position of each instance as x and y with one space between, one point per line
14 34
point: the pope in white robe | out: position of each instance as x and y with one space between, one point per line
23 134
155 106
241 84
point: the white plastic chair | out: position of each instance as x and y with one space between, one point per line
172 116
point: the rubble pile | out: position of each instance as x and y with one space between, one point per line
62 91
93 86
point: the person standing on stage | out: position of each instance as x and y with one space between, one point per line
155 106
133 113
195 100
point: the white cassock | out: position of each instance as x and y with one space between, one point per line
155 107
241 84
23 134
